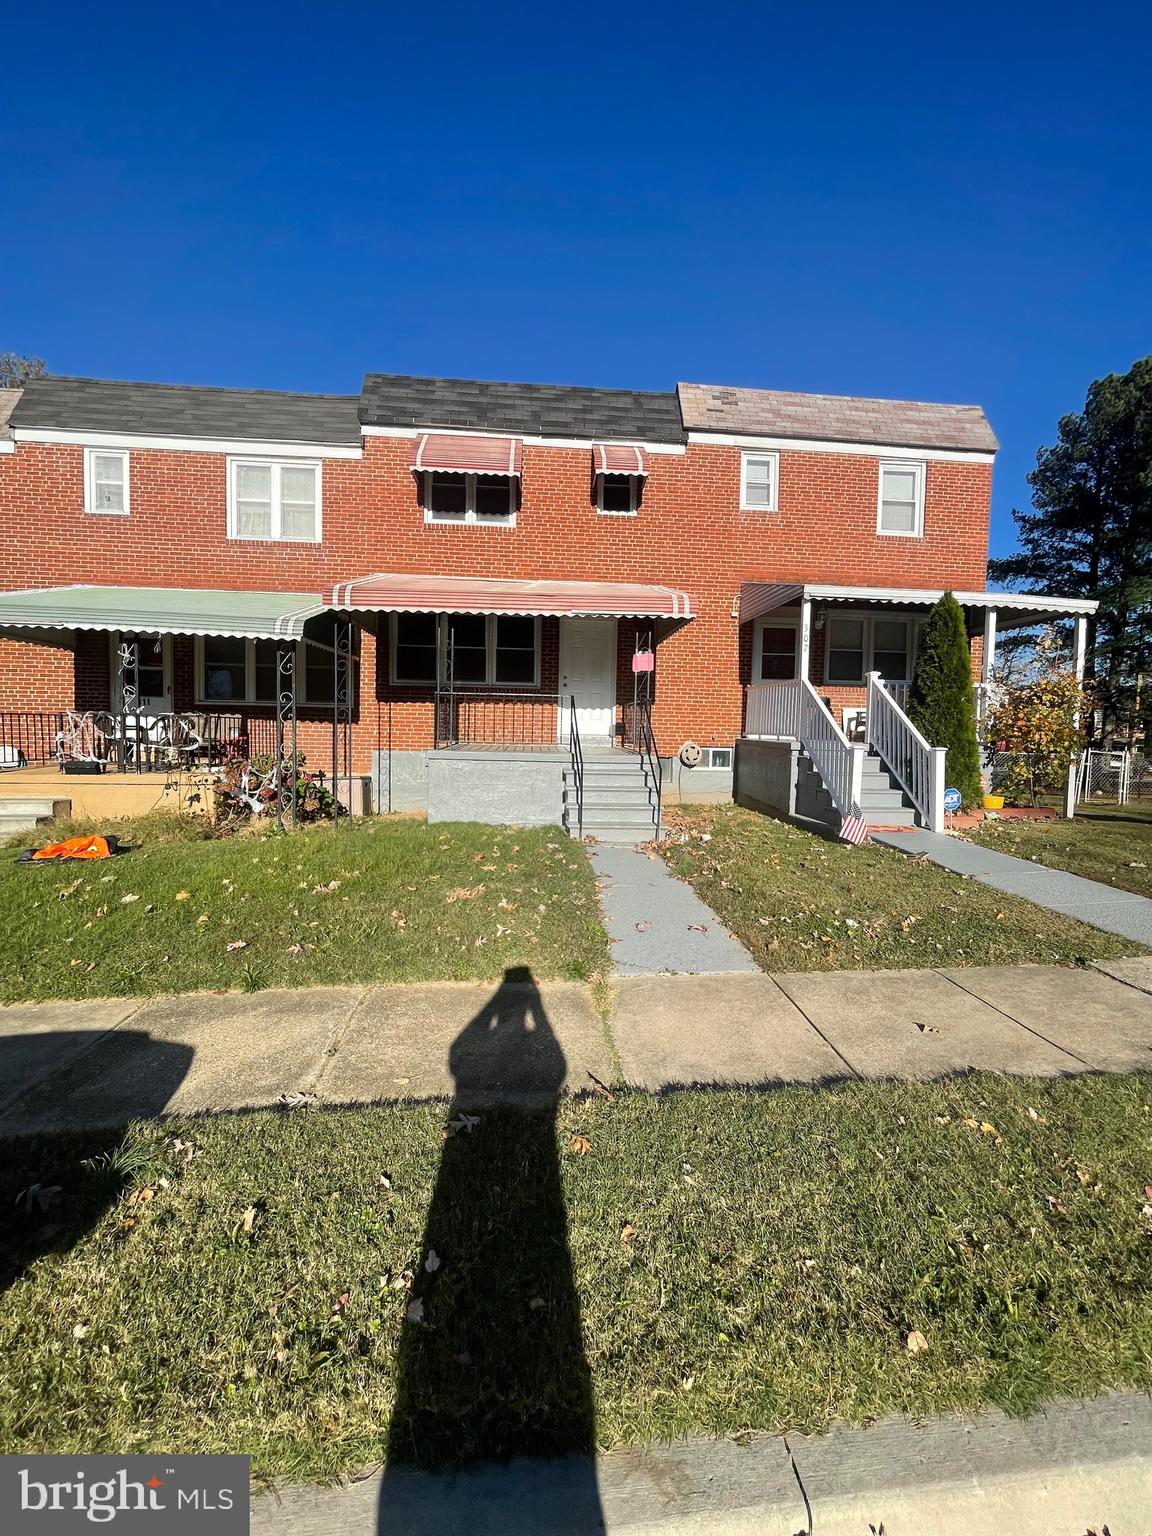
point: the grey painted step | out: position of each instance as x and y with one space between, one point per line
898 816
11 824
882 797
619 816
33 805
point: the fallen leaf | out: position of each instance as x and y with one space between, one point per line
462 1123
295 1100
432 1262
465 893
80 1331
643 925
124 900
237 944
142 1196
182 895
536 1303
915 1343
42 1195
414 1311
927 1029
627 1232
581 1145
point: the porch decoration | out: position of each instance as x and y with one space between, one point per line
940 703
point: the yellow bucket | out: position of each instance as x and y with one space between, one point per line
993 802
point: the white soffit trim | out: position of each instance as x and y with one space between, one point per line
820 445
242 446
583 444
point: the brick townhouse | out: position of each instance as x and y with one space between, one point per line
487 599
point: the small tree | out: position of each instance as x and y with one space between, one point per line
1033 719
941 703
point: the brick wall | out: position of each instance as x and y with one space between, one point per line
689 532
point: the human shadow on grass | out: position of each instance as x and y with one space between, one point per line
57 1182
491 1362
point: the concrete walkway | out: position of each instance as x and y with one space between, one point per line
1101 905
75 1065
657 924
1077 1467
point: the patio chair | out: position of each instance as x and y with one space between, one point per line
83 738
854 719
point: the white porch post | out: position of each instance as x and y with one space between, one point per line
805 637
1078 669
988 666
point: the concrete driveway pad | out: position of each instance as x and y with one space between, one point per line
916 1024
715 1029
515 1043
1103 1022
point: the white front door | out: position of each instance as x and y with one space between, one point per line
588 670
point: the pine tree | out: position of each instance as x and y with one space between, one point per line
941 703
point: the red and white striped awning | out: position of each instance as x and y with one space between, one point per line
458 454
618 459
397 593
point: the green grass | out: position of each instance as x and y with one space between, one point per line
379 901
715 1262
803 903
1110 843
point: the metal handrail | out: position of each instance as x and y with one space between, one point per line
577 752
646 746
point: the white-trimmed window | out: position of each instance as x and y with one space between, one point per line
618 495
901 506
230 670
106 481
274 499
469 498
488 650
775 651
759 481
856 644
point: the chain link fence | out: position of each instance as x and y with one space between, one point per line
1111 777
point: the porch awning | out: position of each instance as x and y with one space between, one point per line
160 611
1015 610
618 459
459 454
386 593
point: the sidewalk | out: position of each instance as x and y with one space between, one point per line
1079 1466
1103 906
75 1065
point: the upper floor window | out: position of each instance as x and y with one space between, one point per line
106 480
618 494
759 475
268 499
901 499
469 498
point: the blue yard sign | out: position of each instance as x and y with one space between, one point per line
953 799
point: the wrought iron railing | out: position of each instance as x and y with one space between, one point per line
906 753
132 741
645 745
577 753
484 717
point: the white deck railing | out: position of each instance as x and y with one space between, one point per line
770 710
906 754
839 761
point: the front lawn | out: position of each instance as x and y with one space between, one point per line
1109 843
803 903
381 900
639 1268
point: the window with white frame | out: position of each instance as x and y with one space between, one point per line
469 498
618 495
106 480
274 499
856 644
775 652
231 670
498 650
901 509
759 474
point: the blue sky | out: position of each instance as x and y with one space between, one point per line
946 203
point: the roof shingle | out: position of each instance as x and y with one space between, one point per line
545 410
180 410
834 418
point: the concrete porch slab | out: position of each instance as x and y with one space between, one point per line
183 1055
514 1043
1106 1024
679 1030
917 1024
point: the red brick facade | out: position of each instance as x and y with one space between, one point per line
689 532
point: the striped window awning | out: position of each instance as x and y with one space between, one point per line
618 459
398 592
456 453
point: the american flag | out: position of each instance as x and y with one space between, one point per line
853 829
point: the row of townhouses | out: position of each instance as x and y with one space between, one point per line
477 597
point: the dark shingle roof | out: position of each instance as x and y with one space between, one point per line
545 410
835 418
179 410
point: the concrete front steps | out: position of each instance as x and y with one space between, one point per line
619 800
882 801
24 813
